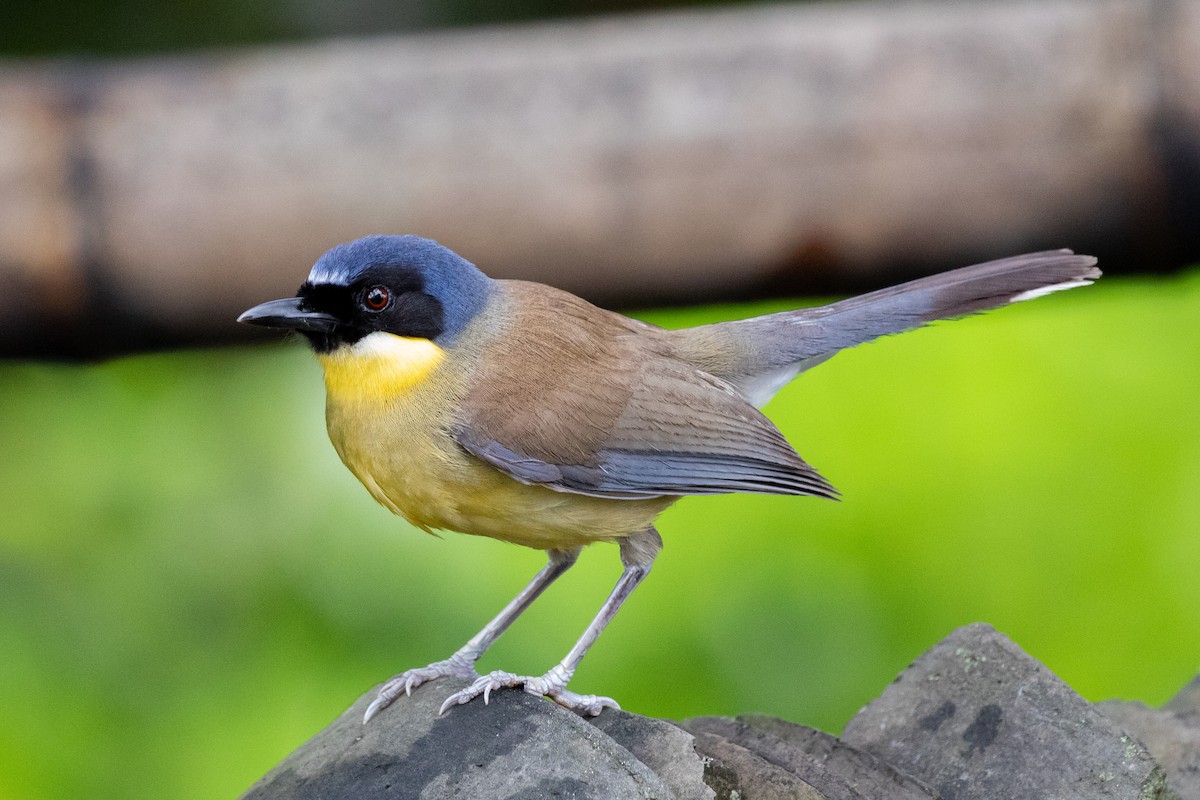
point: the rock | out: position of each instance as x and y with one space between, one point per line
1170 739
976 717
836 769
736 772
1186 704
664 747
519 746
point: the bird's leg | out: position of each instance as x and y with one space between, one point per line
637 555
462 663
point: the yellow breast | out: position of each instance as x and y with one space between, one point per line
389 401
379 367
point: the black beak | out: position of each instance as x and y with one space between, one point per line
287 313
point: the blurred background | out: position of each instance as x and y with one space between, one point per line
190 582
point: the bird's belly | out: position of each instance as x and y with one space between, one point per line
501 508
413 467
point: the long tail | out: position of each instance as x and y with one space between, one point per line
760 355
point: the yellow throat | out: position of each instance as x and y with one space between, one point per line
379 366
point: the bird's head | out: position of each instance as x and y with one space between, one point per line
406 286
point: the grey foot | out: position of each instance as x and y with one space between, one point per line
552 685
406 681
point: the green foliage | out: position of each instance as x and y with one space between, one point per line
191 584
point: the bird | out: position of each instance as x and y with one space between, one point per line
521 412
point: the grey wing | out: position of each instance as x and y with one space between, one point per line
679 432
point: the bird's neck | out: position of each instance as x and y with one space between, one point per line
378 367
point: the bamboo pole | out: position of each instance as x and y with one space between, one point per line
669 156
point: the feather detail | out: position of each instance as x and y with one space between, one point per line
760 355
590 402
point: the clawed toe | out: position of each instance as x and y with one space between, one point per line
482 685
584 704
405 682
551 685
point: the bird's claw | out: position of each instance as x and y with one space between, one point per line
406 681
551 685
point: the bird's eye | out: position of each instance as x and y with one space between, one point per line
377 298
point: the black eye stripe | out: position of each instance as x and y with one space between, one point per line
330 299
415 314
407 309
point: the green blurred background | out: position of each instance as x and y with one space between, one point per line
192 584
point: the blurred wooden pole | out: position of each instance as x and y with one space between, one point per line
673 156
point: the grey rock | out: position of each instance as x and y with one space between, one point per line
736 772
976 717
1170 739
664 747
519 746
869 775
1186 704
838 770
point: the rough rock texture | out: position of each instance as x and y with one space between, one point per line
737 772
1168 736
517 747
975 717
1186 704
662 746
833 768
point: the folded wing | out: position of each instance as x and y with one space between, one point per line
599 409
